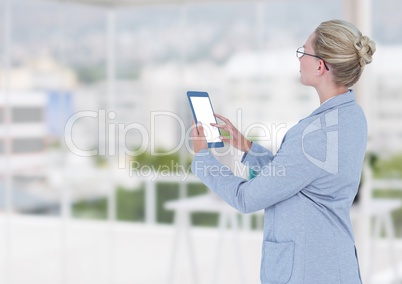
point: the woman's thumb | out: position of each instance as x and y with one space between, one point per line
200 128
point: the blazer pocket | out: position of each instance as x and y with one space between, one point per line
277 262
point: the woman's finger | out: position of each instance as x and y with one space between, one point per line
226 120
200 128
225 139
219 116
219 125
222 127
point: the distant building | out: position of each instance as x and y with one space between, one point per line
32 116
26 132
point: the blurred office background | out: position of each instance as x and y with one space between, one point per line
93 103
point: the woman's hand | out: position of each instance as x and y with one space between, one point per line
237 139
198 137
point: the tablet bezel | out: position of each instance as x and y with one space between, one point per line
204 95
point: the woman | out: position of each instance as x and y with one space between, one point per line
308 236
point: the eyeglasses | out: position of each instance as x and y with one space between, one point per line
300 53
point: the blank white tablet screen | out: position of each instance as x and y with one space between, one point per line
203 111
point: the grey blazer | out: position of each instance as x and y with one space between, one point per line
306 190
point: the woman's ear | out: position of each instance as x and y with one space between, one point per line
320 68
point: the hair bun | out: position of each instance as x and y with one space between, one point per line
365 48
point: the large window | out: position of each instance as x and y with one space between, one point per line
133 66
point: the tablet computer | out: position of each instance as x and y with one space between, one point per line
201 107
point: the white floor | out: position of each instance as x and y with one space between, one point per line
46 250
49 251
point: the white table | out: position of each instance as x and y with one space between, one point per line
207 203
381 211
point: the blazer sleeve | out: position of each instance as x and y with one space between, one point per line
283 176
257 157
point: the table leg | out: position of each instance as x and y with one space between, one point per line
221 228
187 227
239 256
223 221
173 258
391 244
375 236
182 223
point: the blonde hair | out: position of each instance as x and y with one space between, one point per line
345 49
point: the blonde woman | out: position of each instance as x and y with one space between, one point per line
308 237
